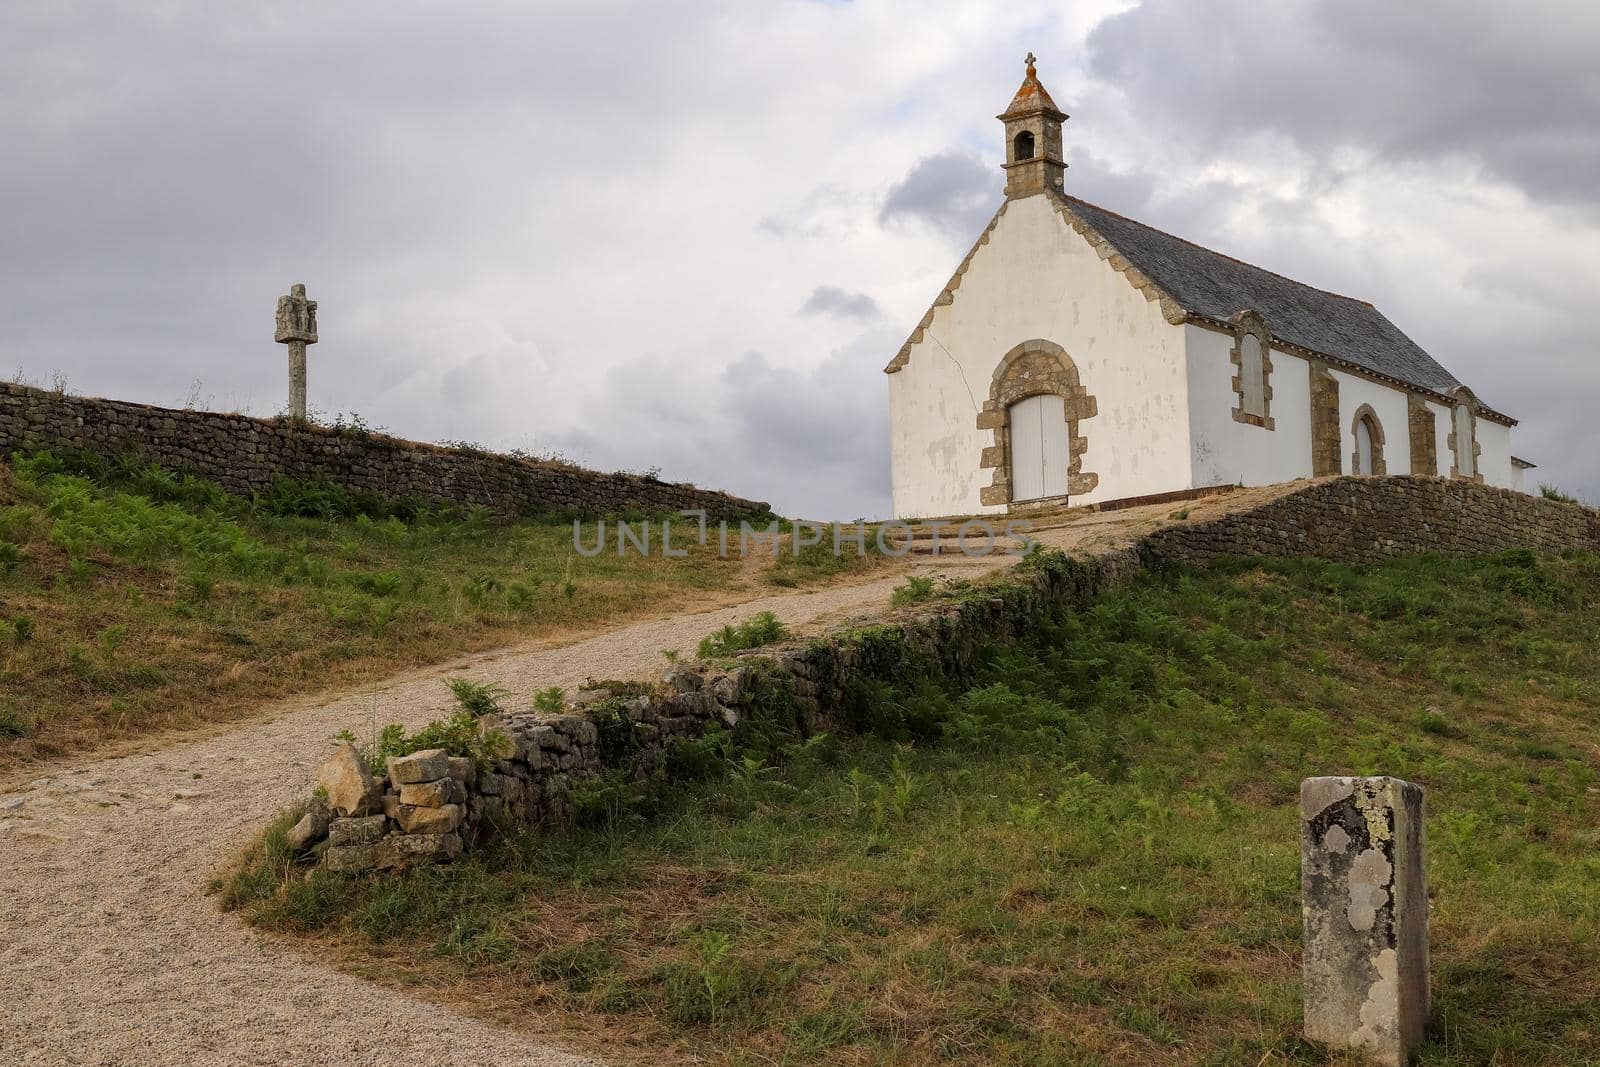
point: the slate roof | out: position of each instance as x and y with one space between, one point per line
1215 286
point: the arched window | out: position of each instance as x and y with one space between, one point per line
1022 147
1367 457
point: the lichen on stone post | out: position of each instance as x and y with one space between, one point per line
1365 908
296 326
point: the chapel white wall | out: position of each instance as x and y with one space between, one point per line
1441 436
1389 405
1226 452
1495 459
1494 440
1037 278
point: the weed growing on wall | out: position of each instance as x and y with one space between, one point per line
758 630
460 734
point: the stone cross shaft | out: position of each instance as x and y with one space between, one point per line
297 327
1365 908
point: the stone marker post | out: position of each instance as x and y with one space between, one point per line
1365 907
297 327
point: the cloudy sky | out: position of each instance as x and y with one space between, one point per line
689 235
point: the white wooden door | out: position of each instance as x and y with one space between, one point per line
1038 448
1363 447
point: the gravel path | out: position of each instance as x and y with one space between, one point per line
112 953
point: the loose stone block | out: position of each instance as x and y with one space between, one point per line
429 765
350 859
407 850
363 831
1365 909
414 820
311 828
348 783
433 794
463 770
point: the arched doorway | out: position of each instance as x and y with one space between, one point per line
1036 409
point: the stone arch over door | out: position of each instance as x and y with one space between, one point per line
1034 368
1367 419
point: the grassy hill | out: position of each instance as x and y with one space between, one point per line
1086 853
134 600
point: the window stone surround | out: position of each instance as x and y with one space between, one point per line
1252 324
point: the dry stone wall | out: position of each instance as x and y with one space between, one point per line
374 823
1359 520
244 454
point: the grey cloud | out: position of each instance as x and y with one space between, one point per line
815 442
1512 86
831 300
954 191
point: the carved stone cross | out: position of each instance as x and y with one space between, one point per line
1030 61
297 327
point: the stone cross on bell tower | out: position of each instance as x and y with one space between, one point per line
1033 139
297 327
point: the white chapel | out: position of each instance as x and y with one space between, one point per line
1077 355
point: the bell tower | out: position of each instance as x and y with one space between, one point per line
1033 139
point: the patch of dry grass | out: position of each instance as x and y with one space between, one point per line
136 603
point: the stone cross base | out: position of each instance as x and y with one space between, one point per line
1365 907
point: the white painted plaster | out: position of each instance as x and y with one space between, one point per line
1037 278
1226 452
1495 459
1441 437
1389 405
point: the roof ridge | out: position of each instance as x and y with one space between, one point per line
1221 255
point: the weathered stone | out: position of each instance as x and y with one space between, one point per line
681 678
409 850
312 827
348 783
585 697
1365 910
463 770
429 765
356 831
350 859
729 688
434 794
244 454
415 820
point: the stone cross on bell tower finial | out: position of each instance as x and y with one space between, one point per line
1034 163
296 327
